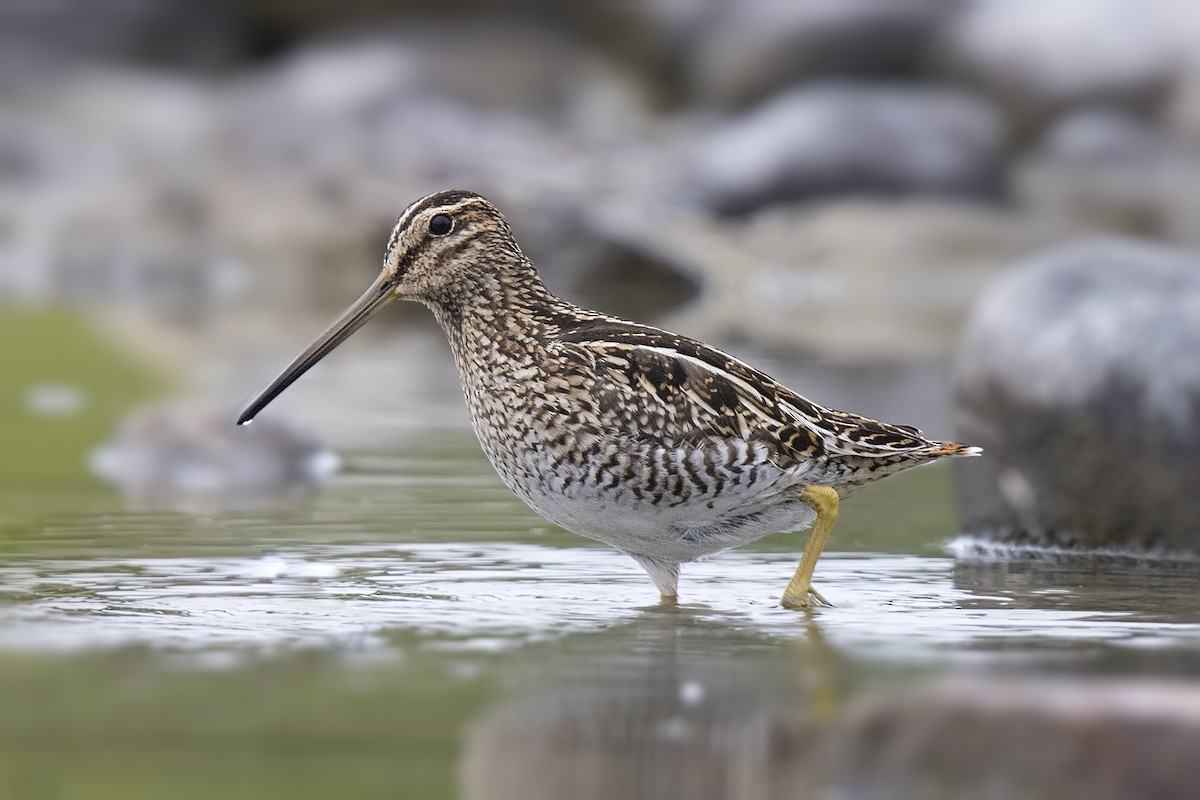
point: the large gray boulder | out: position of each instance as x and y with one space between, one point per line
837 138
1079 374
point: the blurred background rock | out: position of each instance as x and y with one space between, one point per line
828 181
1077 374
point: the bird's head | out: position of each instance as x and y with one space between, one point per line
444 246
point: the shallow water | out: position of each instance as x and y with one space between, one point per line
490 594
373 638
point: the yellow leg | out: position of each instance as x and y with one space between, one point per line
668 599
799 594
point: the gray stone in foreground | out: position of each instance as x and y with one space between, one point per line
838 138
1079 374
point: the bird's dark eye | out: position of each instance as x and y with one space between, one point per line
441 224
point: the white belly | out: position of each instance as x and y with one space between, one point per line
675 534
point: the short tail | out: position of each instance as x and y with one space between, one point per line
954 449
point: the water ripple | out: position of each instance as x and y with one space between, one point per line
484 596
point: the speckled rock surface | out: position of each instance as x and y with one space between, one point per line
1078 375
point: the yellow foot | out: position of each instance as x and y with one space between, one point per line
668 599
799 594
805 602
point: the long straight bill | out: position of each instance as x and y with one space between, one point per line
351 320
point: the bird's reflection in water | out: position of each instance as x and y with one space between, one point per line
685 703
679 703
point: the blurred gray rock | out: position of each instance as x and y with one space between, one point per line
186 199
1078 375
192 459
728 55
1101 170
656 37
838 138
851 281
1038 58
1046 739
1094 136
105 197
324 150
36 34
746 50
1105 170
583 256
484 62
1182 116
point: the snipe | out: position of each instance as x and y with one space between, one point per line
656 444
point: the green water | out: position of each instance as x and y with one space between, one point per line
388 636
